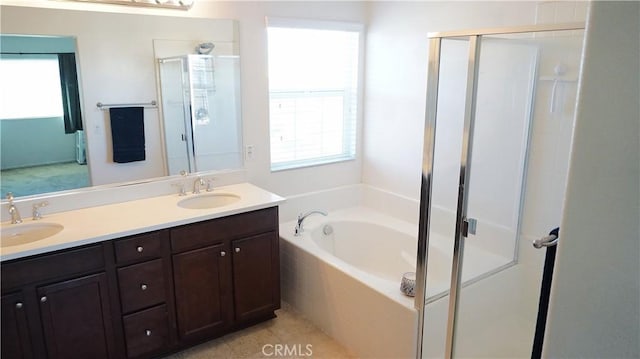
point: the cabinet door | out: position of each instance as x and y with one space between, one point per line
76 318
202 287
256 276
16 341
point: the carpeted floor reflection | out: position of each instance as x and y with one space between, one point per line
43 179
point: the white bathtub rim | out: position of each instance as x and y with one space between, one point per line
363 214
355 214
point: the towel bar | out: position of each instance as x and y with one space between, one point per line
102 106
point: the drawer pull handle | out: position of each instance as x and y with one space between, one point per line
223 253
43 299
147 332
143 287
237 249
140 249
19 305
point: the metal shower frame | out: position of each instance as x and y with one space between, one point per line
435 39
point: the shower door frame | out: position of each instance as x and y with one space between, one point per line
433 71
187 112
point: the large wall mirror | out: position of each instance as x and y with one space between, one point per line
168 85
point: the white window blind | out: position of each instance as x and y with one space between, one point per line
313 93
30 87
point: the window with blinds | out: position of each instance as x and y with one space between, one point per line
313 92
30 87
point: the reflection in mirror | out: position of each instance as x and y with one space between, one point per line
42 142
200 104
119 66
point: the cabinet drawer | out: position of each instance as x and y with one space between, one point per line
141 247
215 231
146 331
141 285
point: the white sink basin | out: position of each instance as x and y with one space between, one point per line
16 234
212 200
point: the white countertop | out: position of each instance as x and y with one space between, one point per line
101 223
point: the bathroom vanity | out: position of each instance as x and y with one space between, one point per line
146 294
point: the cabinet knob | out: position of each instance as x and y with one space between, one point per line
140 249
147 332
43 299
19 305
223 253
237 250
143 286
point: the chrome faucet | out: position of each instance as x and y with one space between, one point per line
210 184
299 229
13 210
36 210
181 190
197 184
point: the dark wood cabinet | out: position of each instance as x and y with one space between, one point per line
203 292
256 276
16 339
145 283
76 318
59 307
226 273
144 295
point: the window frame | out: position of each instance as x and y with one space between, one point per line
308 24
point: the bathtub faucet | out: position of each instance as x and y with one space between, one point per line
301 218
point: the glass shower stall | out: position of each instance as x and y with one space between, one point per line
200 106
500 108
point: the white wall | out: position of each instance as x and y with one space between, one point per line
397 54
595 300
255 110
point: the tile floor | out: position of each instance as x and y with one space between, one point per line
289 329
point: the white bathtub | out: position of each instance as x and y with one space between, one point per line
348 282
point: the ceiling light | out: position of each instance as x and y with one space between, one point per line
167 4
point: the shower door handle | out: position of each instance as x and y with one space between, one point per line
469 227
548 240
545 289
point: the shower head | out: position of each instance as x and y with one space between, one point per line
205 48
